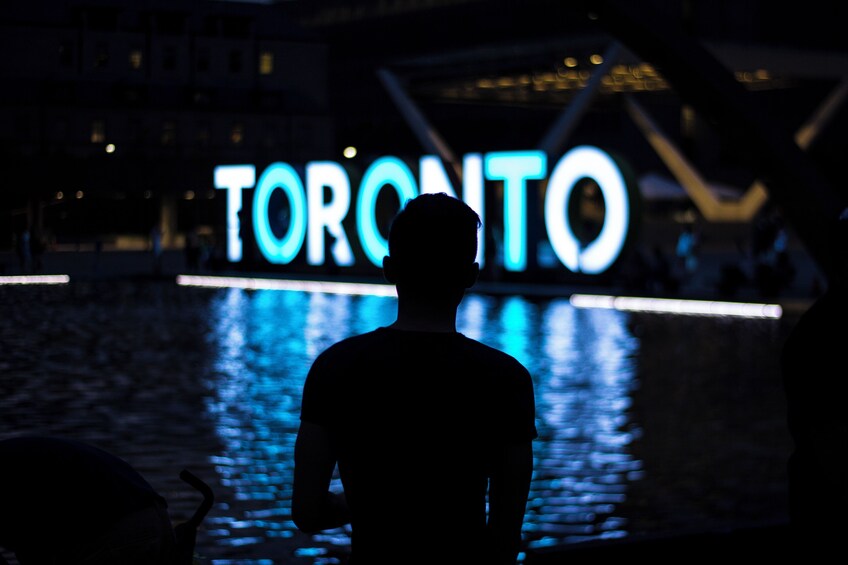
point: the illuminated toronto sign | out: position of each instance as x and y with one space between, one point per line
312 215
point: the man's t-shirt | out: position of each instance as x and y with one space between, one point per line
415 419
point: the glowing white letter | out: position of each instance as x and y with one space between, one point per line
234 178
587 162
333 176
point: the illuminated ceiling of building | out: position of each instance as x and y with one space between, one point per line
469 63
481 59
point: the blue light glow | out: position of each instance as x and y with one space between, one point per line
384 171
515 168
472 194
279 250
238 358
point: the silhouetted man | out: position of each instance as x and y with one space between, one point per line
816 385
424 423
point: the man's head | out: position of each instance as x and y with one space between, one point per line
433 246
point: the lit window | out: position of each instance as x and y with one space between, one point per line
136 59
266 63
237 134
98 131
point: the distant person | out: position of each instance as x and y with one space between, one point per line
422 421
816 386
156 248
661 280
687 251
70 503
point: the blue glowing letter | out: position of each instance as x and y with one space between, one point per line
587 162
386 170
332 175
472 194
234 178
514 168
275 250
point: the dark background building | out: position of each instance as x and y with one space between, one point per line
114 113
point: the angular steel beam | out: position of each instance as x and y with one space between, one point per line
557 136
794 182
423 130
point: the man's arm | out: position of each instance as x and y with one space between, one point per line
509 487
314 507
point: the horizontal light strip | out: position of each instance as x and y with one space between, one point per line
677 306
35 279
634 304
285 284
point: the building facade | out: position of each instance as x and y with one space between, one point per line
114 113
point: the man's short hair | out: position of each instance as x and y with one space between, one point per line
433 239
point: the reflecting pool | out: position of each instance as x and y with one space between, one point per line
648 423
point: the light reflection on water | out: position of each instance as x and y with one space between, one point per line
582 362
649 424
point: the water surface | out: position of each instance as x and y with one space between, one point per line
648 423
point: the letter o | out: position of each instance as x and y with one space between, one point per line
279 250
587 162
386 170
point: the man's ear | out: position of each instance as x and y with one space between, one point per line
389 272
471 276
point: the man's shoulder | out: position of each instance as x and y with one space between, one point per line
352 345
488 351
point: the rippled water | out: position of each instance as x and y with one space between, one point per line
648 423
